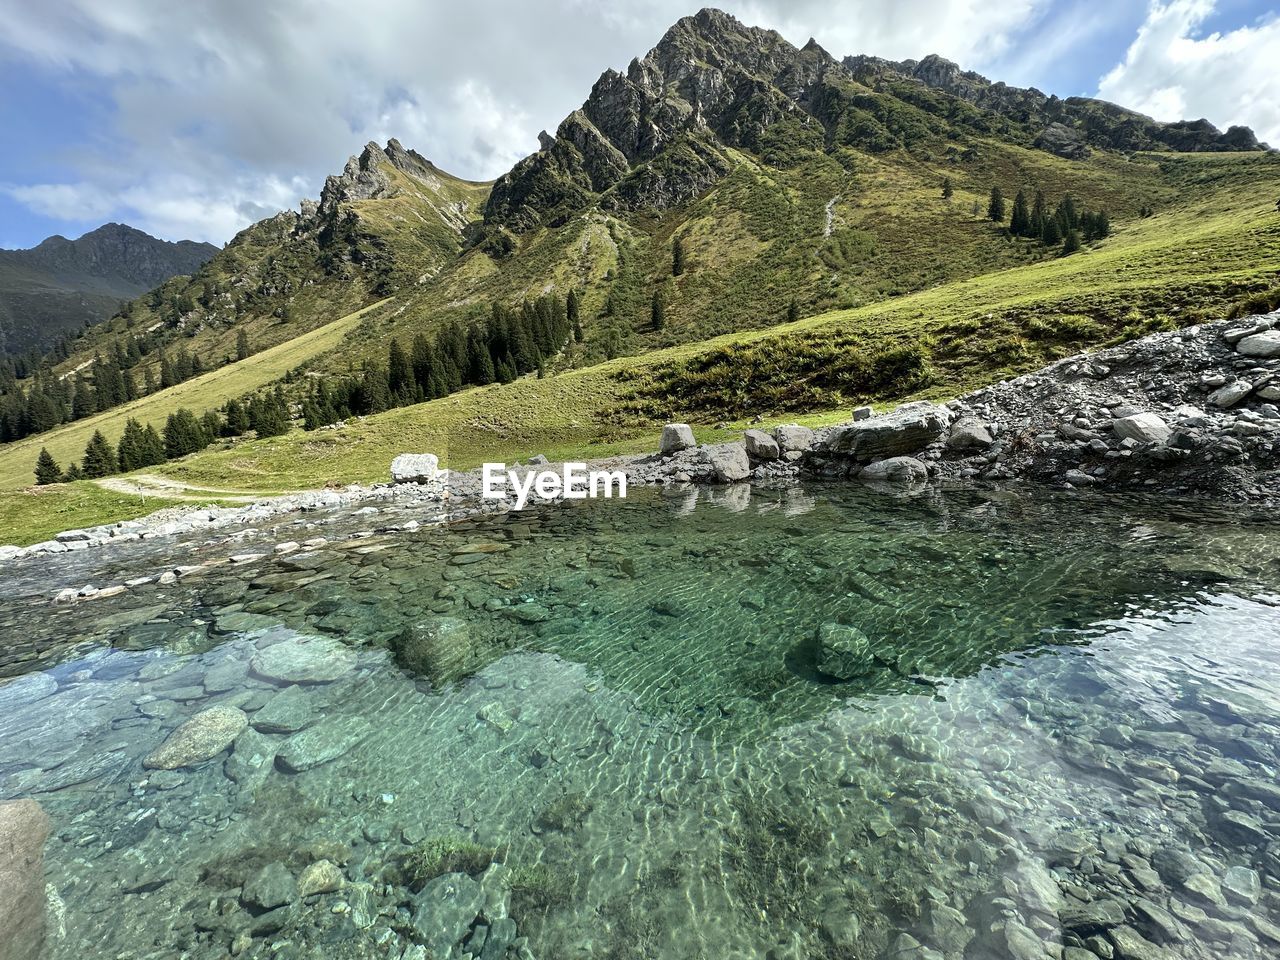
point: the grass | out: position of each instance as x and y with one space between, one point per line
30 516
213 389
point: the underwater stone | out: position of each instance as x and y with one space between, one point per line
304 660
319 745
273 886
843 652
444 911
23 829
323 876
201 738
286 712
443 650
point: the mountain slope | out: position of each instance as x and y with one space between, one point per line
60 285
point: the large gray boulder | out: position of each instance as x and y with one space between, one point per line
676 437
969 433
760 446
1230 394
727 462
1265 344
909 429
896 470
791 437
23 829
416 468
1142 427
445 910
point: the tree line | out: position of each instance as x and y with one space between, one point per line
106 383
1065 224
139 446
510 342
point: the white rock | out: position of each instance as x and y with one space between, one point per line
676 437
1265 344
760 446
1231 394
416 468
1141 428
793 438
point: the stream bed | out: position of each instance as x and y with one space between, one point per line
603 730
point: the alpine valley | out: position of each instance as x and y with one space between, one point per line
732 228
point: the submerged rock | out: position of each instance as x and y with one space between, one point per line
24 826
445 910
272 886
843 652
323 876
302 659
319 745
443 650
201 738
286 712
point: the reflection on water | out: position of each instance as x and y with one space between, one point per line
602 731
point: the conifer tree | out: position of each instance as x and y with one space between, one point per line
182 434
571 308
1020 218
242 345
99 457
399 371
47 469
130 453
793 311
152 449
1071 243
677 256
236 417
1050 233
995 206
947 189
658 311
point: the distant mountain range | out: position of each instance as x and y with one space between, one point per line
60 285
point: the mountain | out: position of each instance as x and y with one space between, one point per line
1069 128
60 285
724 183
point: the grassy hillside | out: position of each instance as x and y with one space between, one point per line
1196 261
206 392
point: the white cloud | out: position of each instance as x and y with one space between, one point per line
1172 73
223 112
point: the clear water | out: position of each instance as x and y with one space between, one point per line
1074 701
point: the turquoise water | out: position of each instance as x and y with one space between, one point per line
1064 738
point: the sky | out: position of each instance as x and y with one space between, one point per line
192 120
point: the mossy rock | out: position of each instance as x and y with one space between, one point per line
444 650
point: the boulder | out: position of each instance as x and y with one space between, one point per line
416 468
909 429
727 462
969 433
904 470
1231 394
760 446
1142 427
863 413
23 829
843 652
676 437
792 437
201 738
1265 344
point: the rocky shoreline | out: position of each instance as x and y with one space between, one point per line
1192 412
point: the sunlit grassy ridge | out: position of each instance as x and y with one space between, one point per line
205 392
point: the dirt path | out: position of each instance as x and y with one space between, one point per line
150 485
